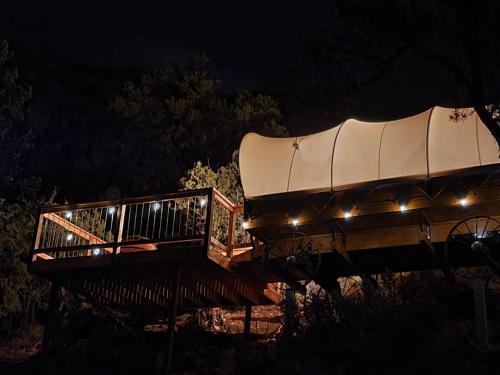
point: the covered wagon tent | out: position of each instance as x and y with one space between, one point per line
371 196
353 153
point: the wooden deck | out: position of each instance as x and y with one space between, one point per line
126 252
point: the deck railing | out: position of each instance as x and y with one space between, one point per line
228 233
134 225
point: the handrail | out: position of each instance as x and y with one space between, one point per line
124 201
221 198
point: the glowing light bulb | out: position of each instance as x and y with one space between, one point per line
463 202
156 206
295 222
69 237
111 210
347 214
245 225
68 215
96 251
203 202
403 207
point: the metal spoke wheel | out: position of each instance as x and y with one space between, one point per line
472 251
293 255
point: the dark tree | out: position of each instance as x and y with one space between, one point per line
18 289
15 140
178 114
367 38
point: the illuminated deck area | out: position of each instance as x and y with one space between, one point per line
129 252
108 250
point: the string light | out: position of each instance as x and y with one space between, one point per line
96 251
403 207
463 201
68 215
69 237
156 206
347 214
111 210
245 224
295 222
203 202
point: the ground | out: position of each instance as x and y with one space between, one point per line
197 351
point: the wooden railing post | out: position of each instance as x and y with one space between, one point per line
118 230
37 235
481 318
50 324
248 320
172 315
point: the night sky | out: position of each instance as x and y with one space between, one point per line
254 45
248 42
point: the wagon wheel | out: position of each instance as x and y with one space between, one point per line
293 255
472 250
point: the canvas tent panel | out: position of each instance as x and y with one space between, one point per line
427 144
311 166
269 159
488 147
452 144
403 147
355 157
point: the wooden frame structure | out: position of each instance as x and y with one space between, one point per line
129 254
229 262
200 229
395 226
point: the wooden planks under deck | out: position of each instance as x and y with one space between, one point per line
144 281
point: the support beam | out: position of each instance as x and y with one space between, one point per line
248 320
290 311
480 309
51 317
172 314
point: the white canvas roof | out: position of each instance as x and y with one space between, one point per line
425 145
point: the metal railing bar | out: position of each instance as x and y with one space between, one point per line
129 214
161 218
187 218
168 218
147 221
173 220
142 216
136 206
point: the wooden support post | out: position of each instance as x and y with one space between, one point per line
248 320
37 237
336 287
172 314
51 317
118 229
289 318
480 312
